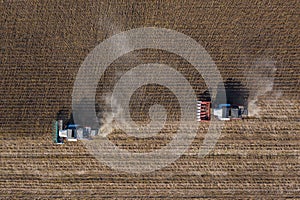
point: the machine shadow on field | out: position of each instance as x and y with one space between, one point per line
236 93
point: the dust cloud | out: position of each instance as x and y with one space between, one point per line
260 80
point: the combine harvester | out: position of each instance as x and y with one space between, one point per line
222 111
71 133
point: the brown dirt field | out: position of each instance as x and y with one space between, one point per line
43 44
